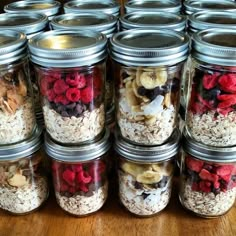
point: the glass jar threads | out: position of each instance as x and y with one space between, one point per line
208 178
145 175
23 182
147 70
211 113
154 19
70 67
16 99
80 175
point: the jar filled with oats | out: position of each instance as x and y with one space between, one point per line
145 175
148 66
80 175
152 5
211 107
101 22
46 7
93 6
208 178
30 24
70 68
17 118
23 181
154 19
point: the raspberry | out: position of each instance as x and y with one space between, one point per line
198 108
61 99
83 177
87 95
60 87
64 187
216 184
51 79
44 86
224 170
50 95
226 178
206 175
77 167
76 80
203 187
195 187
227 82
224 111
210 81
69 176
195 165
73 94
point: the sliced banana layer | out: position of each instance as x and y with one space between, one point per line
149 177
134 169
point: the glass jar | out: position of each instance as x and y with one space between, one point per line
211 111
23 182
46 7
70 69
147 70
208 178
16 99
30 24
152 5
101 22
154 19
146 174
80 175
193 6
106 6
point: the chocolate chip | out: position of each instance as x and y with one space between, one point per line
145 195
138 185
142 91
79 109
71 106
65 114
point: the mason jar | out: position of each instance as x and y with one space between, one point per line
80 175
193 6
147 69
101 22
70 69
211 110
78 6
16 99
30 24
46 7
207 178
23 180
152 5
145 174
155 19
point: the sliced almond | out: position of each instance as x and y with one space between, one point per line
139 118
151 121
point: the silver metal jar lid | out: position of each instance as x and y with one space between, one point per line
94 6
26 148
157 20
207 153
149 47
64 49
49 8
153 5
13 46
212 19
101 22
215 46
149 154
78 153
192 6
28 23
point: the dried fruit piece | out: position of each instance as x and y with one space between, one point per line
210 80
206 175
87 95
14 100
149 177
68 176
167 100
134 169
227 82
22 87
193 164
224 170
18 180
60 87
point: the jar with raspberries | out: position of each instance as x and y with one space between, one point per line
207 179
211 106
70 69
80 175
23 177
148 67
145 175
17 117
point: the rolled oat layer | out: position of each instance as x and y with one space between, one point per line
74 129
21 200
207 204
143 202
18 126
83 205
211 130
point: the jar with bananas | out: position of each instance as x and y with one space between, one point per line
148 67
145 175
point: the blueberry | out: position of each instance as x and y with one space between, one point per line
71 106
79 109
159 91
65 114
233 178
138 185
151 94
61 108
142 91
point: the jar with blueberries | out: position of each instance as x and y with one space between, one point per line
70 68
207 178
145 174
211 97
148 67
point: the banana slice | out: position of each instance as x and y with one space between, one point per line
151 120
168 169
134 169
128 84
18 180
156 168
131 98
152 79
167 100
138 74
149 177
